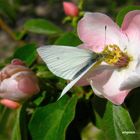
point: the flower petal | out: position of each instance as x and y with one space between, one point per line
131 25
107 82
131 82
101 69
132 75
97 30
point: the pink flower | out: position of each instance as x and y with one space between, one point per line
114 78
117 51
17 83
70 9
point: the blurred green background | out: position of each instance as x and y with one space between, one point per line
20 11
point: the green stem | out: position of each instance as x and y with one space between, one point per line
3 118
20 131
16 134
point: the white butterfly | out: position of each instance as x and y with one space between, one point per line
70 63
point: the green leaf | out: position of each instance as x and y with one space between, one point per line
7 121
4 118
26 53
133 103
16 134
123 12
40 99
117 124
68 39
50 122
7 9
42 26
20 129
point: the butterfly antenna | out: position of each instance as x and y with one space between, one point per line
105 39
101 56
105 35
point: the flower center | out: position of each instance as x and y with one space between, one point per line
114 56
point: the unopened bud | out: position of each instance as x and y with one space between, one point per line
17 62
10 104
17 83
70 9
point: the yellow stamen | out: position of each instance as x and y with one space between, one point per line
114 56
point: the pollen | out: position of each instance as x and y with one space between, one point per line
114 56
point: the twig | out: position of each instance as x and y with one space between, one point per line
7 29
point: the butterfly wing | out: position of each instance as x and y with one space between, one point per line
65 61
73 82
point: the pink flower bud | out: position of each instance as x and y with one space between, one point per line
17 83
10 104
70 9
17 62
